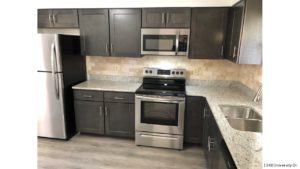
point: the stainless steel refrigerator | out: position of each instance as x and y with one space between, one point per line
60 66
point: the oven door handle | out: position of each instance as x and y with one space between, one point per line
159 99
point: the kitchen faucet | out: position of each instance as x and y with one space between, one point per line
258 94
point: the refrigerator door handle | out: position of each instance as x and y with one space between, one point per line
53 62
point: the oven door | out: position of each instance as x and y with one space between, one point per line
160 114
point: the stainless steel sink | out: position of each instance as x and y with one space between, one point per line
242 118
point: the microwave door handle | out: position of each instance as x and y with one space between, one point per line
177 42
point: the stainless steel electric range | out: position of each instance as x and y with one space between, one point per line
159 108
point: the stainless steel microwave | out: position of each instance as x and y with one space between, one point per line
165 41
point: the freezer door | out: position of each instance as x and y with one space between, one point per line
51 119
50 58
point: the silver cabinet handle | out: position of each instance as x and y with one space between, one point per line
222 50
163 18
50 18
100 110
167 17
205 114
210 143
87 96
54 18
234 51
105 111
111 48
83 37
119 98
106 48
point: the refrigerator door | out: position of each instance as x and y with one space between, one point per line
50 53
51 119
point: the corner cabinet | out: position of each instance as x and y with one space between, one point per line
208 30
114 32
57 18
166 17
244 35
214 145
194 119
102 112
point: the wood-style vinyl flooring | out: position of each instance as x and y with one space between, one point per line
99 152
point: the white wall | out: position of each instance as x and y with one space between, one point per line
131 3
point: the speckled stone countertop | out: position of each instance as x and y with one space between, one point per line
245 147
108 85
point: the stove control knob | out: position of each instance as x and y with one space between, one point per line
173 72
146 71
181 73
177 73
150 71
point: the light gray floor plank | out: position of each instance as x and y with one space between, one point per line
97 152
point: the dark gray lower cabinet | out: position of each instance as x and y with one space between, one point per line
214 144
194 119
208 28
110 113
89 116
119 119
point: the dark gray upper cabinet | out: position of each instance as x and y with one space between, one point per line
45 18
178 17
208 30
153 18
119 119
194 119
244 37
89 116
166 17
57 18
94 31
125 32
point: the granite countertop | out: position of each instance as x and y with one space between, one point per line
108 85
245 147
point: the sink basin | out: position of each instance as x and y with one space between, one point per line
246 124
242 118
242 112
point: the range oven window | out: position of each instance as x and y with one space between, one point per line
159 42
159 113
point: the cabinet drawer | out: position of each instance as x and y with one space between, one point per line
120 97
88 95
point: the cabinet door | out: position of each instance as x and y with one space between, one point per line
178 17
194 119
153 18
94 32
89 116
234 27
119 119
45 18
125 32
65 18
208 29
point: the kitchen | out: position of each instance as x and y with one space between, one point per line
139 73
126 72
